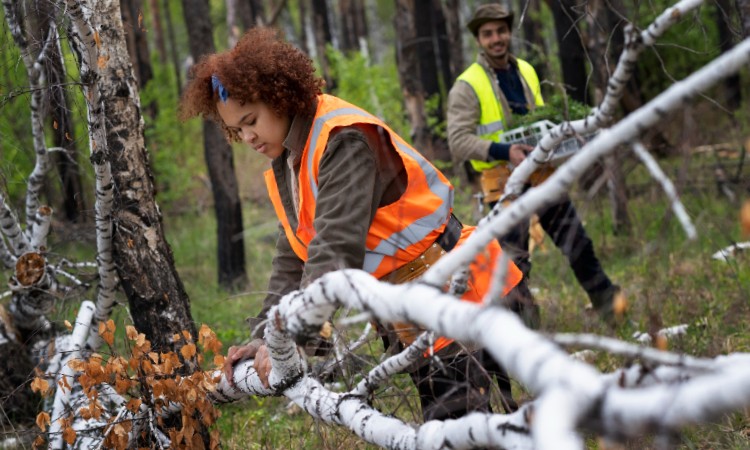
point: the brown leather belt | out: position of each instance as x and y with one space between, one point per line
444 243
406 332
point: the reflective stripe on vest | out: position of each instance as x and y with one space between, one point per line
491 122
401 231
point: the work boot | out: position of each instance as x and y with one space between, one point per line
603 302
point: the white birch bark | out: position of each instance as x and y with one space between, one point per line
35 73
61 406
85 39
570 392
11 229
6 256
41 230
667 185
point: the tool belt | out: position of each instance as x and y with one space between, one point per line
493 180
405 332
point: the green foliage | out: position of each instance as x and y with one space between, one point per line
16 145
556 109
435 118
687 46
175 147
374 88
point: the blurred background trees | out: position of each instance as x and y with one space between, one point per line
397 59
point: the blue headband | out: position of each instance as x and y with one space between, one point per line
217 86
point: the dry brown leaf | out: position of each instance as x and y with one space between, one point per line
188 351
661 342
133 405
40 385
326 330
745 218
39 443
620 304
42 420
69 435
78 365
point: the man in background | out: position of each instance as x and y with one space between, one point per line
481 105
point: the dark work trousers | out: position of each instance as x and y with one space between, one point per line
561 222
461 382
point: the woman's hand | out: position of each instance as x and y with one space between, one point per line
255 349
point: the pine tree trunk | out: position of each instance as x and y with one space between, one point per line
220 162
408 70
601 25
303 25
161 46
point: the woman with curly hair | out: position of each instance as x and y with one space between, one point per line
348 193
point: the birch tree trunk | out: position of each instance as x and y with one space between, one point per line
220 162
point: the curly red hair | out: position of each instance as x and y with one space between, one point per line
261 67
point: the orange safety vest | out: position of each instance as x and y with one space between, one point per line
401 231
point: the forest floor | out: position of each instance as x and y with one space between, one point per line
667 279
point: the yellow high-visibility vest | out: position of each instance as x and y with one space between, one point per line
492 123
